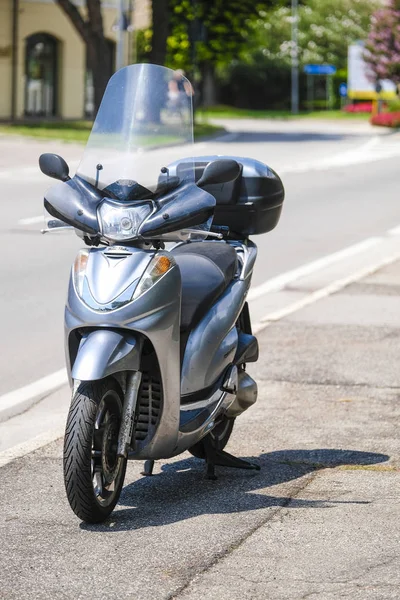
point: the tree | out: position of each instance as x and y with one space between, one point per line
91 30
201 35
161 27
210 34
326 29
383 44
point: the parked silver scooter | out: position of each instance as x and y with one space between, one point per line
156 340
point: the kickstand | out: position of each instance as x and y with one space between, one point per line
223 459
148 468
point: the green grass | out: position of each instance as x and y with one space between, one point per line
230 112
78 131
71 131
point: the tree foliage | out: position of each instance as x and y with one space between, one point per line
325 30
204 31
383 43
218 29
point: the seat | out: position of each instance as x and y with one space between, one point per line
207 268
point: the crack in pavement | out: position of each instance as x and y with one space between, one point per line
309 478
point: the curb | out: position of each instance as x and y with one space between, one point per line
18 401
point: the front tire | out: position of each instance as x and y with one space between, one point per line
93 472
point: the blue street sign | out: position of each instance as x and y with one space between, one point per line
343 90
320 69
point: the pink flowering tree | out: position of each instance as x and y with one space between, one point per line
383 44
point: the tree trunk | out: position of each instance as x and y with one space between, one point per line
99 62
92 33
209 85
160 31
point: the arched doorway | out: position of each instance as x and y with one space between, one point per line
41 75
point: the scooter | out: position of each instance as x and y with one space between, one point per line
157 327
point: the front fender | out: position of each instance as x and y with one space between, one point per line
103 352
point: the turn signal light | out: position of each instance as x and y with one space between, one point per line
161 265
158 266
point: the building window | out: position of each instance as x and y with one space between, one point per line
41 75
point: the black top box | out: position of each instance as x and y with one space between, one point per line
250 204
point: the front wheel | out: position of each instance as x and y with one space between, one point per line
93 472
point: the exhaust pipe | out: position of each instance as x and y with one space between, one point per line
245 397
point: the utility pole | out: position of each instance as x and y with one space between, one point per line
295 57
121 26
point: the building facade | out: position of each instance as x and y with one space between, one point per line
43 66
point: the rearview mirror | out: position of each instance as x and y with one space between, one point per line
219 171
54 166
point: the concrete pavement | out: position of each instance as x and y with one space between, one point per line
320 520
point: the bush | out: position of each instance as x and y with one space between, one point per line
394 105
360 107
389 119
259 85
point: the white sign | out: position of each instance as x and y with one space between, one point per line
359 86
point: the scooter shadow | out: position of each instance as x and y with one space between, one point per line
181 490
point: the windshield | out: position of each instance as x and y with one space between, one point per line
144 122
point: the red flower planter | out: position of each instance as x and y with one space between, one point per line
386 119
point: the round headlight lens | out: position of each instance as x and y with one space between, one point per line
119 222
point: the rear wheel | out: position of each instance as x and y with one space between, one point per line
93 472
218 437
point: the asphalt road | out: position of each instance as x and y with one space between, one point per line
341 185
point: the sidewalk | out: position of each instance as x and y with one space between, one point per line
321 520
333 383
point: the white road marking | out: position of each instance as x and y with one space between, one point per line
31 220
373 150
277 283
7 456
324 292
21 399
394 231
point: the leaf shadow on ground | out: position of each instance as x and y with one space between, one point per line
181 491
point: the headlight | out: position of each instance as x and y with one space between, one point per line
119 222
157 267
79 270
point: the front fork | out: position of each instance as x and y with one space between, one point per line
133 380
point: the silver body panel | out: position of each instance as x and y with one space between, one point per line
111 333
104 352
212 344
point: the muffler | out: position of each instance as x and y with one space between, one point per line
246 395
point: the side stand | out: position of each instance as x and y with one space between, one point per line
148 468
223 459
